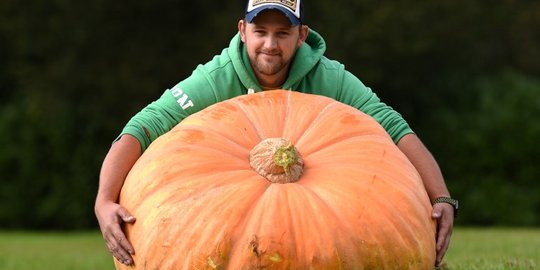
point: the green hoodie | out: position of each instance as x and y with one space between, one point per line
229 75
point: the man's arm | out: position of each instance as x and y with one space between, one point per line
435 186
117 164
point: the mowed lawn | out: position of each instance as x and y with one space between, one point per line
494 249
471 248
54 251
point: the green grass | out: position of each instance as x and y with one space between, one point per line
471 248
54 251
493 249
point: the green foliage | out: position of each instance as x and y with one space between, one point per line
72 74
488 145
416 55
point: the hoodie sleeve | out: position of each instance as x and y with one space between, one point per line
356 94
175 104
154 120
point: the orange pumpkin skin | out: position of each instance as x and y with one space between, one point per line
359 203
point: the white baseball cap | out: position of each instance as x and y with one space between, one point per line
293 9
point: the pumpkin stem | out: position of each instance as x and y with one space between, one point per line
277 160
285 156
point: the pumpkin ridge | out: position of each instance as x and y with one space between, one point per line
390 160
178 186
255 215
314 122
323 202
148 193
217 135
403 233
191 224
194 170
381 204
237 155
345 226
290 95
288 110
364 126
344 138
297 230
388 178
237 229
232 124
301 114
241 225
227 162
219 235
253 123
328 209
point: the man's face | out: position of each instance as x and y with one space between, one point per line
271 41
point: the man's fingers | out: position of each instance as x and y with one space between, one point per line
119 246
436 214
443 234
444 216
442 247
119 235
110 217
124 243
125 215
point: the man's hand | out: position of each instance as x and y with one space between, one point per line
443 213
110 216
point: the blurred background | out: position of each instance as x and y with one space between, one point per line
465 74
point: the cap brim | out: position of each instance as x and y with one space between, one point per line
250 16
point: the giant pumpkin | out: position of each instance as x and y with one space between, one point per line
278 180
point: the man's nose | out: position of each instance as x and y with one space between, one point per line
271 42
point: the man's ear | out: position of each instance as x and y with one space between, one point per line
304 31
242 30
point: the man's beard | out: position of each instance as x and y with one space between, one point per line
266 67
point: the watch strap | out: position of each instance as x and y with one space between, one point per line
448 200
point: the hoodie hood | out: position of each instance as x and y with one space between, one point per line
305 59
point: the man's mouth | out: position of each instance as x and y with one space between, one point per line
269 53
269 56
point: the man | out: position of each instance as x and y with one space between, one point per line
272 50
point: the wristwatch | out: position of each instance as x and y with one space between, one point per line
453 202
